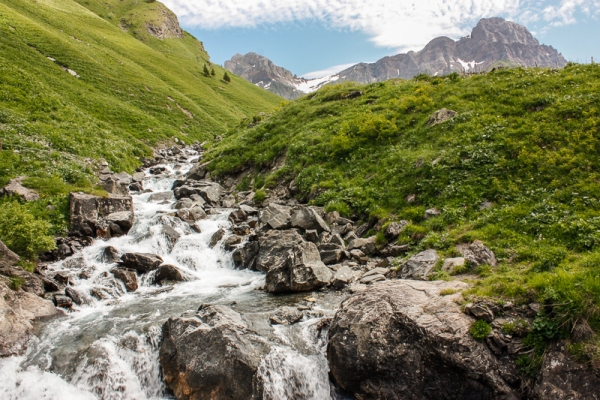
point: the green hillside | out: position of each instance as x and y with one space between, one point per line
79 82
525 140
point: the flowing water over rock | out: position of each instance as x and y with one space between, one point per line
107 347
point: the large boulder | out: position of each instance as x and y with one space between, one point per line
127 276
30 283
276 216
15 188
331 253
170 273
367 246
210 192
301 270
99 216
17 311
562 377
402 340
198 172
440 116
273 248
477 254
307 218
419 266
141 262
244 256
212 355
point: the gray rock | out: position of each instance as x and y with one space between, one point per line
394 250
32 283
376 271
372 278
308 218
350 236
127 276
276 216
62 301
228 202
394 229
136 187
451 264
248 210
477 254
213 354
480 311
419 266
171 236
432 212
563 377
141 262
194 214
159 197
285 316
15 188
440 116
231 242
312 235
402 340
331 253
244 257
362 230
138 177
89 214
300 271
77 295
274 247
238 216
197 173
367 246
343 276
110 255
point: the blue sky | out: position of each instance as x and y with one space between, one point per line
316 37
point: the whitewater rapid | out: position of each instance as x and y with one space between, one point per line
108 349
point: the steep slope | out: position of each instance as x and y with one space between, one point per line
265 74
517 168
493 42
75 87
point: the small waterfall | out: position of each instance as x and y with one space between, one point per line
107 347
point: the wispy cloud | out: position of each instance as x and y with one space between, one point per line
329 71
399 24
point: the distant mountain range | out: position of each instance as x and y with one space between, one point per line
494 42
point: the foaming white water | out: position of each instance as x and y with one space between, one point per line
107 347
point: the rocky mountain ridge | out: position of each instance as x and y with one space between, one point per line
494 42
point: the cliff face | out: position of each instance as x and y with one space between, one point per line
492 42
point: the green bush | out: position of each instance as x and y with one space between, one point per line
480 330
260 196
22 232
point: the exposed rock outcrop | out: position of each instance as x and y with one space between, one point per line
102 217
15 188
402 340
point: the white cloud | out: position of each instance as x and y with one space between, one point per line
400 24
329 71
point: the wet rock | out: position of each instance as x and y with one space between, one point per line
441 116
138 177
276 217
141 262
90 215
76 295
452 264
62 301
343 276
171 236
216 237
241 230
170 273
50 285
213 354
562 377
367 246
15 188
127 276
187 203
196 213
244 257
394 229
159 197
210 192
237 216
307 218
300 270
285 316
231 241
419 266
477 254
110 255
402 340
157 170
136 187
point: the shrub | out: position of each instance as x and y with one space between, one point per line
260 196
22 232
480 330
226 77
16 282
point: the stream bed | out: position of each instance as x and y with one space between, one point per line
108 347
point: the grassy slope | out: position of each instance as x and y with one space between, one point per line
131 95
526 140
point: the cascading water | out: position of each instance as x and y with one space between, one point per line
107 348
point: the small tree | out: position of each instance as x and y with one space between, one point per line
206 72
226 77
212 71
